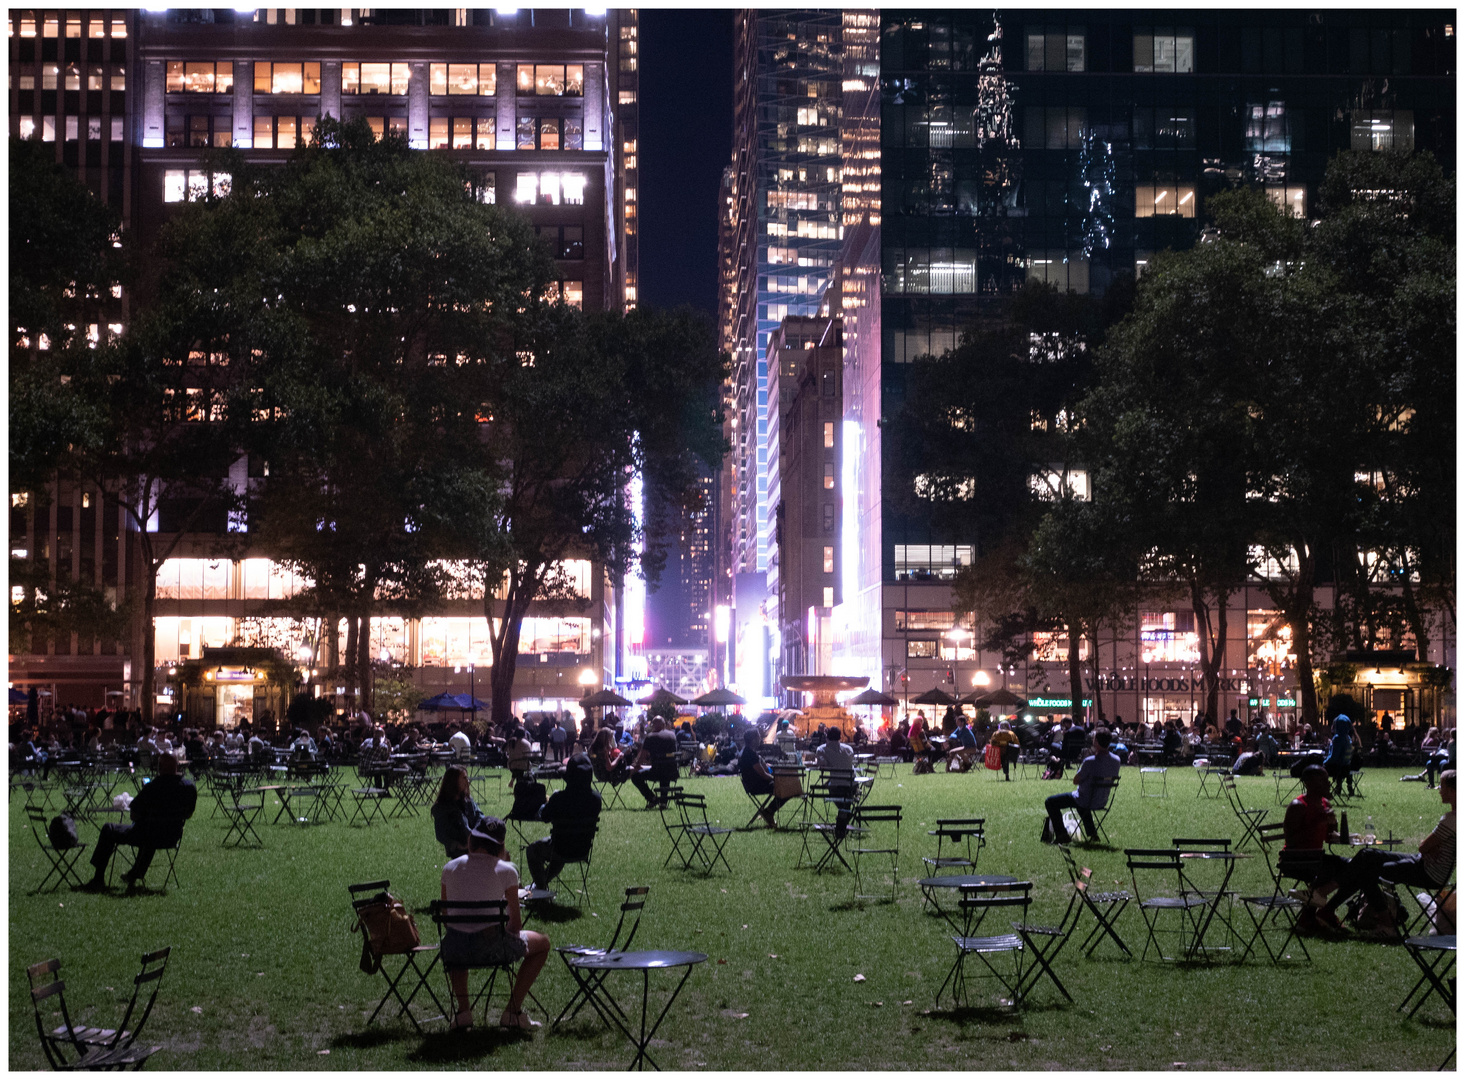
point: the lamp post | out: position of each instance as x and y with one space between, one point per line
957 635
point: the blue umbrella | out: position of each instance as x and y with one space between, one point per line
18 697
468 701
442 701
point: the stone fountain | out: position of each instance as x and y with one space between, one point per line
824 710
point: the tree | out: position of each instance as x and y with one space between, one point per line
369 302
1257 411
66 256
584 409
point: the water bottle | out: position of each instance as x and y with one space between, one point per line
1347 836
1369 835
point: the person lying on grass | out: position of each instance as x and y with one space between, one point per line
483 874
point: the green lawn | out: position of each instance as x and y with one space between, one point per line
264 969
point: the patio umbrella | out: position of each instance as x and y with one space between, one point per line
18 697
718 697
468 701
438 702
935 696
661 696
602 698
1001 696
871 696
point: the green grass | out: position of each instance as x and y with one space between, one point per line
264 968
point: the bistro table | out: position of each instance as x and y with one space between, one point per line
275 789
645 962
1212 908
958 881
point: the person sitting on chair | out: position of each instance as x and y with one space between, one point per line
1307 827
1339 759
1100 764
963 744
757 780
483 874
454 814
657 761
611 766
839 762
1428 868
517 752
577 804
1006 739
158 814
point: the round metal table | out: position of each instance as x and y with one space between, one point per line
645 962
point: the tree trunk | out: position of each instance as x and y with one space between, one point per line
1413 613
363 663
505 640
1094 667
1075 671
1212 646
1296 604
348 669
148 588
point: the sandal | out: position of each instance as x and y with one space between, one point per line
462 1021
518 1018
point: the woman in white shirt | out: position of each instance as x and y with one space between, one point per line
483 874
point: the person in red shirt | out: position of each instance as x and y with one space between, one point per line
1310 825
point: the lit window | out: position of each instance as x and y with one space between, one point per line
462 133
71 128
49 72
828 559
272 78
920 650
73 77
1291 199
27 127
27 24
574 294
1052 485
828 434
119 79
52 26
437 133
573 185
829 596
378 125
549 133
94 77
829 476
627 97
1268 128
119 28
48 129
1373 130
1057 50
94 128
526 187
1165 50
199 78
525 133
1160 200
375 78
486 137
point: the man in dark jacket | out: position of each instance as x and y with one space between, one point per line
572 813
657 762
158 814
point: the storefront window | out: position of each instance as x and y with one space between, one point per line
1168 637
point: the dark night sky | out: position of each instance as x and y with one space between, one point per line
686 139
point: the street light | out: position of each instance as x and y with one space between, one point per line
957 635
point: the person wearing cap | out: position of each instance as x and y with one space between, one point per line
484 874
576 806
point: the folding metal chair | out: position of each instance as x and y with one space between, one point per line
1109 786
363 896
1043 943
1416 918
1147 780
301 803
635 902
1250 820
885 766
241 818
1209 777
834 835
1105 907
62 860
675 824
1276 911
573 837
1287 786
170 857
967 837
874 824
975 903
707 840
368 805
67 1047
93 1039
451 913
610 793
1153 908
1435 955
1191 885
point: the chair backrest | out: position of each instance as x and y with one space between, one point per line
888 817
573 839
1184 843
46 984
367 892
693 807
452 914
154 964
635 902
977 900
1270 833
960 828
1149 860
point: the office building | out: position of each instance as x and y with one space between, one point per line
540 103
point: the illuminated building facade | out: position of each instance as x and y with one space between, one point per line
1068 147
541 103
